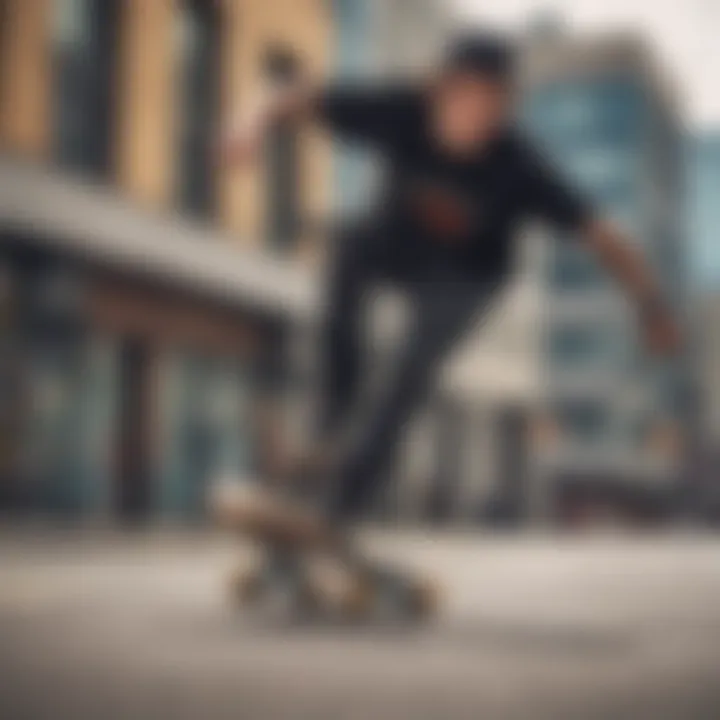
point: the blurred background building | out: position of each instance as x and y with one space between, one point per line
143 295
703 160
704 185
616 424
157 310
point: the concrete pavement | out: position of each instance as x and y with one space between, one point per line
101 625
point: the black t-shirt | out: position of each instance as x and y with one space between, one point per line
441 212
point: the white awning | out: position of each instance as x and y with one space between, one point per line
498 363
95 223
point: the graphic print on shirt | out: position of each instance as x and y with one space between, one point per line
442 211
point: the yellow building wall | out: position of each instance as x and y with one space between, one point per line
146 99
250 28
25 67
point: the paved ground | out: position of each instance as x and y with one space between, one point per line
97 626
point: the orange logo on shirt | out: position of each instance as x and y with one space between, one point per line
442 212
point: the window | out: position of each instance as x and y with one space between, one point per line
84 54
571 269
282 67
570 118
206 416
585 345
198 43
571 345
583 419
599 166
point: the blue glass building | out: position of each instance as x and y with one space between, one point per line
602 114
704 209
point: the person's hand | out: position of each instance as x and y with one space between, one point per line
661 334
243 142
241 145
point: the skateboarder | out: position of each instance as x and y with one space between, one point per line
460 180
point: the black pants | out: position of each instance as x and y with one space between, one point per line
443 307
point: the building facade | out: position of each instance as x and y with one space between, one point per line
704 186
132 94
703 166
146 291
705 495
614 423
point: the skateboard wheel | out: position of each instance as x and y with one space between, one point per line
406 598
285 593
423 599
292 601
307 601
247 585
358 600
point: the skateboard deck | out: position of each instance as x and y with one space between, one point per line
311 566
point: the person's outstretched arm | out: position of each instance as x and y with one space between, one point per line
553 199
615 252
244 136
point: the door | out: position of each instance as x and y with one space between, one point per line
133 496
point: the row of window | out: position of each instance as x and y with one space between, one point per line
85 44
607 108
85 396
85 49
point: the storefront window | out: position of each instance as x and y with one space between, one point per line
206 431
68 386
52 459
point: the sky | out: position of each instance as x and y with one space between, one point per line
685 34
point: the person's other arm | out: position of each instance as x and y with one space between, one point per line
554 200
616 253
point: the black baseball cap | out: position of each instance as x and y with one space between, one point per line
484 53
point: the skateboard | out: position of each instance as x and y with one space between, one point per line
310 572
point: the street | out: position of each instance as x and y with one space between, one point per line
98 624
